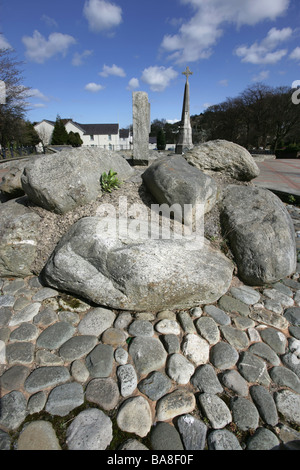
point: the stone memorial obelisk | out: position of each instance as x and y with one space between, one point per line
141 127
185 140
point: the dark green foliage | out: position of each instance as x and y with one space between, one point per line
60 135
161 140
74 139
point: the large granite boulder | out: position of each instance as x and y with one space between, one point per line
171 180
140 275
19 231
63 181
260 232
11 185
223 156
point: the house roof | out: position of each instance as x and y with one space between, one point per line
91 129
124 133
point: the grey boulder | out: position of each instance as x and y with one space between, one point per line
70 178
171 180
11 184
261 234
223 156
140 275
19 232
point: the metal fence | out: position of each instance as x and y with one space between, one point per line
15 152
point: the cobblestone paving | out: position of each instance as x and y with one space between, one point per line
217 377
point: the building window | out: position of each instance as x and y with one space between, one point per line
109 137
91 137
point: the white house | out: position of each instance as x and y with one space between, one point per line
107 136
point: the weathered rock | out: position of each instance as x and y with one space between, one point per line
265 404
263 439
174 404
38 435
19 232
155 386
13 410
196 349
81 169
96 321
215 409
104 392
135 416
44 377
65 398
244 413
100 360
253 369
164 436
11 184
141 275
180 369
90 430
261 234
205 380
223 156
55 335
288 404
193 432
222 439
148 354
127 379
223 355
172 181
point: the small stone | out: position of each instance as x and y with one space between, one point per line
45 377
294 346
217 314
165 437
193 432
275 339
253 369
291 361
14 378
295 331
123 320
215 409
208 329
7 300
70 317
128 379
168 327
103 392
245 294
90 430
45 317
64 398
96 321
235 382
265 404
155 386
5 315
99 361
25 315
272 319
196 312
121 356
288 404
273 306
55 335
289 436
148 354
46 358
36 402
283 289
254 335
285 378
79 371
292 315
180 369
222 439
44 293
166 315
205 380
265 352
232 305
13 287
171 343
141 328
284 300
5 440
244 414
132 444
263 439
77 347
237 338
113 336
25 332
38 435
145 316
135 416
223 355
243 323
196 349
174 404
13 410
20 353
186 322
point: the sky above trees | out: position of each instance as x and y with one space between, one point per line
84 58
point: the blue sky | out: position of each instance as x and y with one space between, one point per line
83 58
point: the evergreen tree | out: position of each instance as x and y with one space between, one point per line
74 139
60 135
161 140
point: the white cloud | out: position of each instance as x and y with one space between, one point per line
79 58
93 87
295 55
39 105
263 52
102 15
113 70
197 37
49 21
158 78
223 82
263 75
172 121
133 84
39 49
4 44
35 93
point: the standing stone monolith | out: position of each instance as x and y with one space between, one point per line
141 127
185 141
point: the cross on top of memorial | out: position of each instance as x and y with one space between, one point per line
187 73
